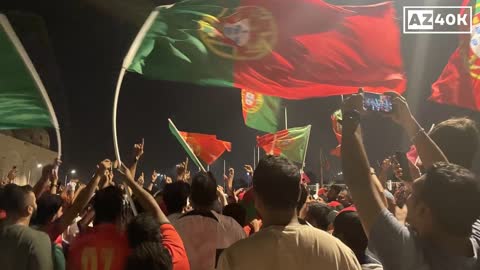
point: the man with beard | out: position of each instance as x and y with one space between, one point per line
22 248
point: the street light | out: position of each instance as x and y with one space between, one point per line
39 165
73 171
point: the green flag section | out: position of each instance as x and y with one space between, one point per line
24 101
290 143
184 144
260 112
294 49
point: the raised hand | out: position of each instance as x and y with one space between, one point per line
138 149
104 167
401 112
141 179
231 173
354 102
154 176
126 172
248 168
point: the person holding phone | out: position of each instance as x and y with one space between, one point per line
439 236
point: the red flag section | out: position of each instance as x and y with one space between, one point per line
458 84
334 59
206 147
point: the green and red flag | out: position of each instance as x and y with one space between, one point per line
337 130
260 111
459 83
290 143
293 49
205 146
24 101
185 145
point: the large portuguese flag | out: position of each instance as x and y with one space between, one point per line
293 49
290 143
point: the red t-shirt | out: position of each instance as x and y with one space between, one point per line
174 244
102 248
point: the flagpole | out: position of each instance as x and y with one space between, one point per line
208 168
254 158
258 154
114 119
306 146
322 163
286 118
224 173
126 63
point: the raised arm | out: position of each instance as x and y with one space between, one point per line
363 184
41 186
427 150
144 198
84 196
137 154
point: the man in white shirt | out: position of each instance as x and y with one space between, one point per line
283 243
205 233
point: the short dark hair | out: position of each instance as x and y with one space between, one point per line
47 206
175 196
237 212
204 190
348 228
12 198
445 188
108 203
276 182
149 255
303 198
143 228
321 213
464 132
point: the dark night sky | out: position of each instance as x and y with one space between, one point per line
81 54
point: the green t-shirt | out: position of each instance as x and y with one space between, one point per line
23 248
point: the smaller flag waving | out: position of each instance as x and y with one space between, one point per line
337 129
184 144
207 147
290 143
260 112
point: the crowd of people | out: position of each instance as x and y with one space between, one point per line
117 220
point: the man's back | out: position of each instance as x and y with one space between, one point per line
290 247
205 235
102 248
23 248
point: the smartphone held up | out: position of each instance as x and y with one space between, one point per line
377 102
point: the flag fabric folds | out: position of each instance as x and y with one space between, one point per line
206 147
337 130
293 49
185 145
459 84
260 112
290 143
24 102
